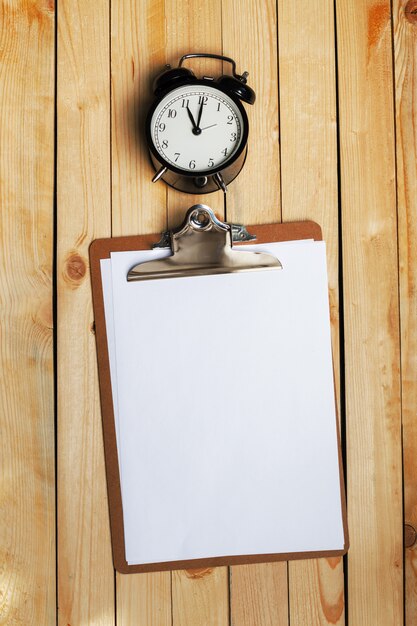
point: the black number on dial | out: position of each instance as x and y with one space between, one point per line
161 127
211 163
233 137
202 99
230 119
165 143
191 165
172 113
224 151
176 155
185 104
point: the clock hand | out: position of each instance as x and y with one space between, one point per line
190 115
196 130
206 127
200 113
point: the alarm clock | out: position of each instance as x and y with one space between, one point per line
197 129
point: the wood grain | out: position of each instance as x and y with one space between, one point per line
259 595
250 37
138 207
317 592
137 56
200 597
143 599
370 288
85 572
27 500
405 54
309 191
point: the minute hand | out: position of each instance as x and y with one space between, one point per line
200 113
206 127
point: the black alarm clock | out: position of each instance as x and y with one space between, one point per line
197 129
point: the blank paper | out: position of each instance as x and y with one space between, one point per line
224 406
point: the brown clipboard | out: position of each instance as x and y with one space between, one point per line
101 249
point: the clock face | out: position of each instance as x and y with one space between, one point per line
197 128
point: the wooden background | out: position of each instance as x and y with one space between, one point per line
333 139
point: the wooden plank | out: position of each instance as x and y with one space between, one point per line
317 592
138 206
143 599
193 27
250 37
405 55
27 538
370 288
309 191
85 572
258 593
137 56
199 597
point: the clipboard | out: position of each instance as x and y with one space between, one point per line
199 229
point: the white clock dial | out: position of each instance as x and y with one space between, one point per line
197 128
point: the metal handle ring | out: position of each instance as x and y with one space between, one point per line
197 55
200 219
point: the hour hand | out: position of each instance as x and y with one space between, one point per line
196 130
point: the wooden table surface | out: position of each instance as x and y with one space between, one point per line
334 139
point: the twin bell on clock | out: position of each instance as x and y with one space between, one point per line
197 129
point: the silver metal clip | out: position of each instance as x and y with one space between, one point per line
239 233
202 245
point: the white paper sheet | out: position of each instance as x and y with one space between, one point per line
225 413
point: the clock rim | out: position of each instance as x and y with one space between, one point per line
212 170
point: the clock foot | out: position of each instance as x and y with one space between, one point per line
200 181
159 174
219 180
